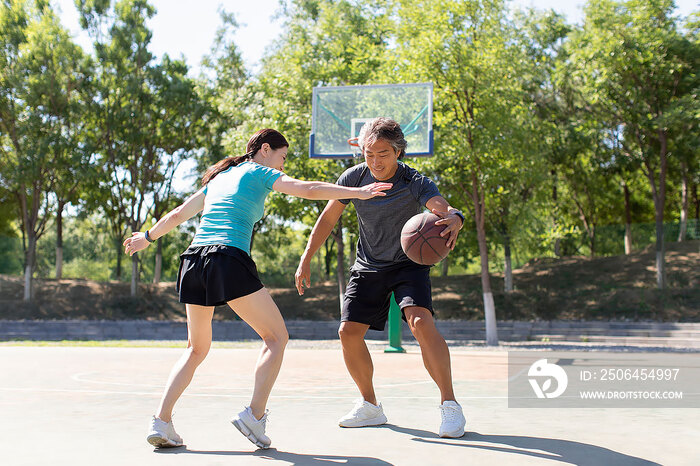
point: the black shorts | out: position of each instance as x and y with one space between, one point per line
213 275
368 294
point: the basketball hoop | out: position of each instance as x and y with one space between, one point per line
340 112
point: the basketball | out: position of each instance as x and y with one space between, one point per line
421 240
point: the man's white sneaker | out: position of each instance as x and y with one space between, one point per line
162 434
453 420
253 429
364 414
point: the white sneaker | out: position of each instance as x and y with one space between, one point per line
253 429
453 420
162 434
364 414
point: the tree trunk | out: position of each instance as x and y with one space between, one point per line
660 251
29 258
489 306
118 243
340 269
659 194
59 239
445 264
684 202
508 266
319 265
327 259
134 275
353 251
589 226
628 220
696 201
159 262
557 242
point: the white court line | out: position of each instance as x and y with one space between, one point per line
215 395
516 376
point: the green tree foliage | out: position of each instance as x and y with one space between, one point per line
323 43
146 117
469 50
637 71
41 74
557 139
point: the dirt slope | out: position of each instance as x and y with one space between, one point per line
619 287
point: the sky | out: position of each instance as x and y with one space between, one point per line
186 28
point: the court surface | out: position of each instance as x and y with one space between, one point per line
91 405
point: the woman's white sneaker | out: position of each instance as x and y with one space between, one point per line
162 434
453 420
364 414
253 429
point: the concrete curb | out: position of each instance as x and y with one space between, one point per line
657 333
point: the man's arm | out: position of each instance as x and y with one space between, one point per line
449 217
322 229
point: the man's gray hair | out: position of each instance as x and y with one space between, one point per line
383 128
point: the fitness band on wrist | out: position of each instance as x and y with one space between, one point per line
459 214
148 237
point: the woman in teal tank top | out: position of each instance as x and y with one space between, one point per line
217 269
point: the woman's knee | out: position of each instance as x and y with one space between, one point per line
198 352
276 341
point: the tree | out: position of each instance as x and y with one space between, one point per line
224 88
73 166
146 115
40 76
634 67
324 42
468 50
523 174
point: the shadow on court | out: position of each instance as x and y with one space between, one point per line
274 454
565 451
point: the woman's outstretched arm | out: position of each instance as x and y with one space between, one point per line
321 190
188 209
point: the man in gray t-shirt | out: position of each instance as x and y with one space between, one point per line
382 268
380 222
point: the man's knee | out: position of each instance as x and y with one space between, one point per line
420 320
351 331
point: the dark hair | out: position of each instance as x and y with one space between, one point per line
270 136
383 128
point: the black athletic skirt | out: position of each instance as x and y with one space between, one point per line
215 274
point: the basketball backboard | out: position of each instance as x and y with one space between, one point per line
339 112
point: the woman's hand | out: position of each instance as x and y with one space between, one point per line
136 243
373 190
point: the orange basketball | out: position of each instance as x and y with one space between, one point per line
421 240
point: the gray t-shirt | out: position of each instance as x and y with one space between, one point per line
381 218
